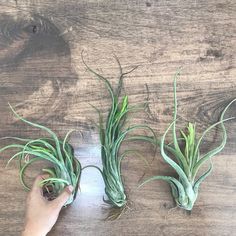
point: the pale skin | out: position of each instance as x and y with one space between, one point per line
41 214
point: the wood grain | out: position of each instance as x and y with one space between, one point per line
43 77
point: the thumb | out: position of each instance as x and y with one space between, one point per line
63 197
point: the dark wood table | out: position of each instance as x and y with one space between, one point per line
43 77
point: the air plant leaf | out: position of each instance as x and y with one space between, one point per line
64 168
186 159
112 134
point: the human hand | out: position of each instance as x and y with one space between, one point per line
42 214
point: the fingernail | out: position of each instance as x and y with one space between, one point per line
70 189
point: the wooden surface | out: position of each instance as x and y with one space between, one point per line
42 76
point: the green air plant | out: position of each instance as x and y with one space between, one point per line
65 169
186 158
112 134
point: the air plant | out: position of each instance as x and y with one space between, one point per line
187 159
65 168
112 134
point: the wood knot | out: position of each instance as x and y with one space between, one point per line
148 4
34 29
212 54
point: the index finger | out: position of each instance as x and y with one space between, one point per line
36 185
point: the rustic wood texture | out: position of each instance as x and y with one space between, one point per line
43 77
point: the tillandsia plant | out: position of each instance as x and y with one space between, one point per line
112 134
184 156
65 168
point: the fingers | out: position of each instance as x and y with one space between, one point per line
60 200
36 185
63 197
